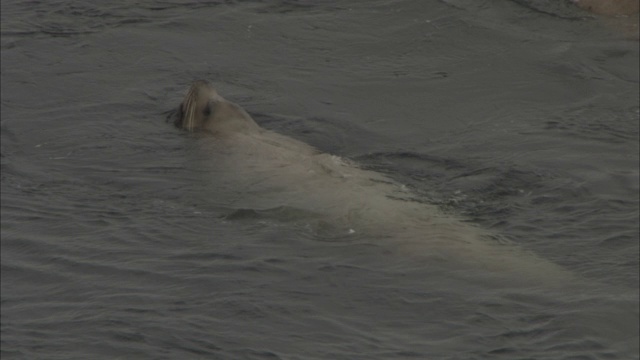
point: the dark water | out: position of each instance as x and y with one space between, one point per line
521 116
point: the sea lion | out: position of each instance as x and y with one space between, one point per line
261 170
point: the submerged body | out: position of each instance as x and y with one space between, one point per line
264 171
281 171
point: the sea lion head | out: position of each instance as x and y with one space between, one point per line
205 110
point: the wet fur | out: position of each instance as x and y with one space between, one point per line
203 109
262 170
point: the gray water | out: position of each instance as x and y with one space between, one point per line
519 116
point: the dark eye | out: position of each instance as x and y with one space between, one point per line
207 110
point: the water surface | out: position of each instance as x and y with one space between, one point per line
519 116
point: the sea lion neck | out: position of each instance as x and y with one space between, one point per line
227 117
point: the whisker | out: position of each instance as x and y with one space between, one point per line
190 109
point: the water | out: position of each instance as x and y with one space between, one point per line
520 116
